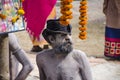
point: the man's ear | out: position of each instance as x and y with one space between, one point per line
51 39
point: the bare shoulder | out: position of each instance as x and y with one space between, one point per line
43 54
78 54
80 57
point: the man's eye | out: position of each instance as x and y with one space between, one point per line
62 35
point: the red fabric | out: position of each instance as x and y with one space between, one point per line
36 13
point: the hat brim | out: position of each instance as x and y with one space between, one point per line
48 32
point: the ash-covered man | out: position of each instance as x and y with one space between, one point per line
61 62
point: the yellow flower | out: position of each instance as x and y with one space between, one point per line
14 19
20 11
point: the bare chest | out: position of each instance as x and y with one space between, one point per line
62 69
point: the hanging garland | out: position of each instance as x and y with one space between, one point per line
83 19
67 15
66 12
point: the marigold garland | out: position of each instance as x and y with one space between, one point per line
66 12
84 28
83 19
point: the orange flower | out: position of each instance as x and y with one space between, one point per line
68 6
83 28
82 37
69 17
66 17
83 33
62 18
64 22
67 1
66 12
64 9
64 3
83 11
83 14
2 16
83 18
83 7
83 22
83 2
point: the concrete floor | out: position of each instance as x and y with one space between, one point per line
105 69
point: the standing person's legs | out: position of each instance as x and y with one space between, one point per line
112 42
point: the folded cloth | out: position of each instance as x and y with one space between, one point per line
36 13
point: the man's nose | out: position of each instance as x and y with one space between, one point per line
68 38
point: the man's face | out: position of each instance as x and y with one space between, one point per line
63 43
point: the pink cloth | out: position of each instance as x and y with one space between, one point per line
36 13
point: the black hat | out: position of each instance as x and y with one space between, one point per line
53 26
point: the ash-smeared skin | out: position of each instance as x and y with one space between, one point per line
62 62
21 57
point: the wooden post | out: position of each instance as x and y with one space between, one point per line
4 57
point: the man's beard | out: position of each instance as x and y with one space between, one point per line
64 48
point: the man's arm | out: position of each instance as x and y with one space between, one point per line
21 57
85 70
41 70
27 66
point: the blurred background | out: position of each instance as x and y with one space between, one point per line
94 44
